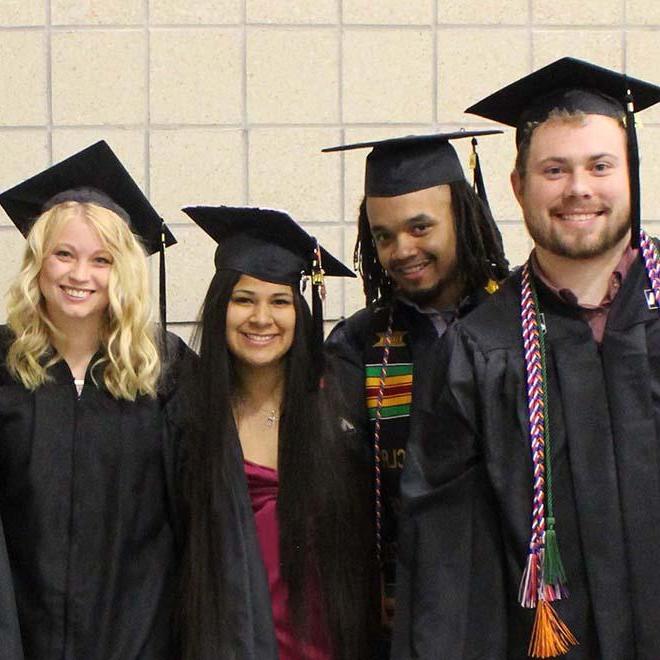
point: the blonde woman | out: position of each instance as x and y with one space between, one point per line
85 469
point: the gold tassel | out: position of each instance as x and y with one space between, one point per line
550 635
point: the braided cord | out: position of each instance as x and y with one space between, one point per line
651 261
377 425
552 582
546 406
532 577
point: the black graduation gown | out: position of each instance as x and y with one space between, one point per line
11 647
87 501
467 485
349 347
346 348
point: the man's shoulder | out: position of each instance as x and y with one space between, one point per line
495 322
356 327
363 318
363 324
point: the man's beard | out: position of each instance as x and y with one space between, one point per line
426 297
576 247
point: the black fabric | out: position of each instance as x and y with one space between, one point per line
467 485
10 635
88 496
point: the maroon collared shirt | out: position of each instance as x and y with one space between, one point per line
594 315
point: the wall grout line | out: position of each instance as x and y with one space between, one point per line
49 81
551 27
244 100
147 108
342 162
435 63
530 28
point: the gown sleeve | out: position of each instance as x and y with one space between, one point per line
451 603
173 396
10 634
344 357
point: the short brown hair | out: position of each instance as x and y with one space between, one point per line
557 114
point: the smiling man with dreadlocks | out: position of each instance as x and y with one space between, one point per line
427 247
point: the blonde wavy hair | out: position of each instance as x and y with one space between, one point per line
131 361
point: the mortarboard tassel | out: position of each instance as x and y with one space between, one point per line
633 170
318 296
162 288
477 177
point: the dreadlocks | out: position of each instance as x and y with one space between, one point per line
479 250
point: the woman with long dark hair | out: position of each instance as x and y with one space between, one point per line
86 471
276 481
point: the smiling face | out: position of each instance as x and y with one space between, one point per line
261 320
74 275
416 243
575 193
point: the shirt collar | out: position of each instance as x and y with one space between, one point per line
566 295
439 318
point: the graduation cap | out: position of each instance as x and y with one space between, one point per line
269 245
575 86
397 166
94 175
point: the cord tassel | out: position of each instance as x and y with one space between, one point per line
551 637
554 574
529 584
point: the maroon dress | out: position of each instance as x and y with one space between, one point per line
263 486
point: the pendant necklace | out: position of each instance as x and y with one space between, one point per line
271 414
272 418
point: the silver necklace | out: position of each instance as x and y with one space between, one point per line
272 418
271 414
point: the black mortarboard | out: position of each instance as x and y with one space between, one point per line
402 165
269 245
97 176
96 167
576 86
265 243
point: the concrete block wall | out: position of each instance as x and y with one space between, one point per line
230 101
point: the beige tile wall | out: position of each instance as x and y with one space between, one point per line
230 101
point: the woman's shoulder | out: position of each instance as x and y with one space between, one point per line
179 362
6 340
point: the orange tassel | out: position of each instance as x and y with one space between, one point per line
550 635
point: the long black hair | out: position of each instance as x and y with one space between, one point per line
324 506
479 249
